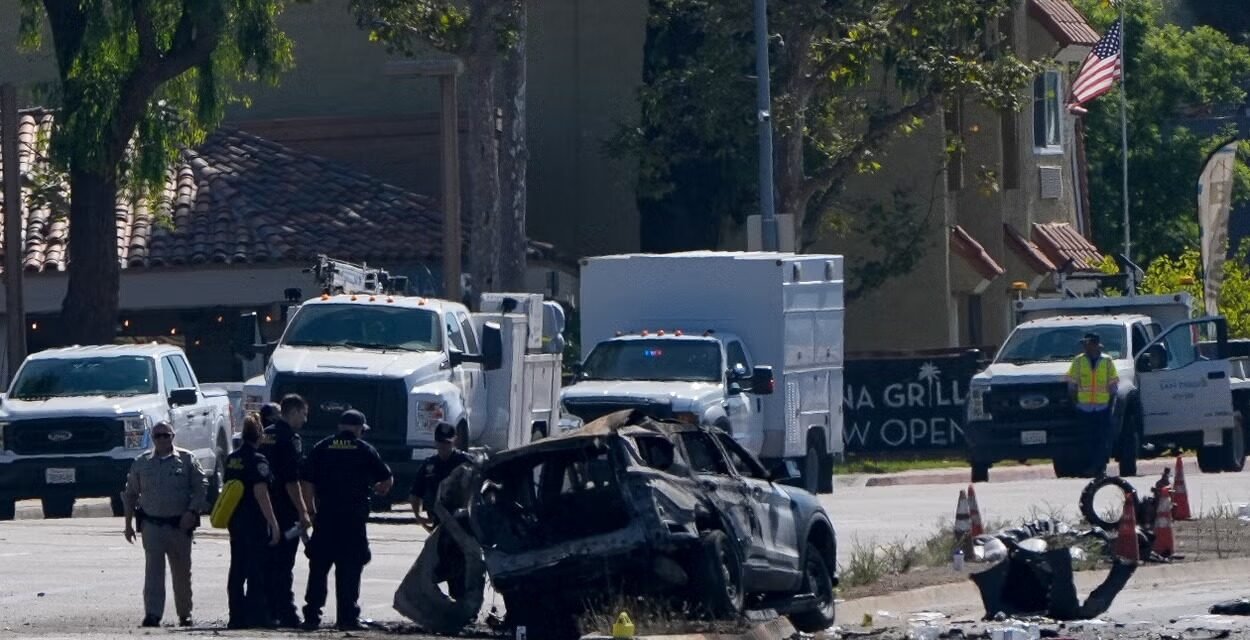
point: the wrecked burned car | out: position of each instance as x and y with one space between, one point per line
629 505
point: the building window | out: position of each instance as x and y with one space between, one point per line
1046 111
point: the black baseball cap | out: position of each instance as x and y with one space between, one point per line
353 418
444 433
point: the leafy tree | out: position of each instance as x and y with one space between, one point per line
489 36
847 77
1173 73
139 80
1166 274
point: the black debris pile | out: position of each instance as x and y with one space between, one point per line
1238 607
1030 583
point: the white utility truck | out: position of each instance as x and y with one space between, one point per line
702 336
1179 388
409 363
74 419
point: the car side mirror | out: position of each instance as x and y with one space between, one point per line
183 397
762 381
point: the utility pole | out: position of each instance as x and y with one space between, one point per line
447 70
15 316
763 97
1128 242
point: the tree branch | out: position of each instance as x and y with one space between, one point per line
68 26
148 51
880 128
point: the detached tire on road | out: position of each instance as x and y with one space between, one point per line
57 508
818 580
717 583
1087 500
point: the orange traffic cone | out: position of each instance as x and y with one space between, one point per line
1164 544
963 524
1126 538
1180 503
976 527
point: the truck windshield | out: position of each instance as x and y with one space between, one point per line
665 360
60 378
364 327
1055 344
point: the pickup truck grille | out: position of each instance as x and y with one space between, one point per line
58 436
1029 402
384 403
592 409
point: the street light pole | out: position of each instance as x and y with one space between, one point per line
763 96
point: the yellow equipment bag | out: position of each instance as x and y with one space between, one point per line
227 501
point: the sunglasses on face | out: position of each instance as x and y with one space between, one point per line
162 436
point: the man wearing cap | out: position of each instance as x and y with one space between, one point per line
283 448
341 471
424 493
1092 383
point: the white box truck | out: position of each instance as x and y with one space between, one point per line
703 337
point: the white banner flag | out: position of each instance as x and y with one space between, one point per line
1215 190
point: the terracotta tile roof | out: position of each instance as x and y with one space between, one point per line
970 250
1064 22
238 198
1060 242
1029 252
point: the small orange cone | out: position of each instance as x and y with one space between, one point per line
977 528
1180 502
963 524
1126 538
1165 544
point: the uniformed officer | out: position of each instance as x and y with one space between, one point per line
424 493
282 447
270 413
166 490
341 471
253 531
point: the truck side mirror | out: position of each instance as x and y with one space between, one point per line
183 397
492 346
455 357
762 381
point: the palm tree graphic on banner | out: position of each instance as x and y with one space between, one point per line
931 374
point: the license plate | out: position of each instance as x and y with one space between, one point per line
60 476
1032 437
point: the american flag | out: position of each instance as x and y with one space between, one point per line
1099 71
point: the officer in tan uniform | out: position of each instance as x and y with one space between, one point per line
166 492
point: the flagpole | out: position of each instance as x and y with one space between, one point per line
1128 246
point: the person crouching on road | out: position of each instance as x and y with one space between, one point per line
341 470
1092 383
166 491
254 531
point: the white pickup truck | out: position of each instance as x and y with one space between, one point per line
702 336
409 363
1179 387
74 420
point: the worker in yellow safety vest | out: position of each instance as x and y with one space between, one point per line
1092 383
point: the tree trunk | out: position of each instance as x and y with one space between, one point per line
483 170
514 159
89 311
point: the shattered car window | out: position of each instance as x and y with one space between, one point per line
656 452
704 456
740 459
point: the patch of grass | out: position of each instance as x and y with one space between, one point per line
855 464
650 617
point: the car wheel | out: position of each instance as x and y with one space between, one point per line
1230 456
117 506
57 507
1068 467
718 583
1130 446
818 579
980 472
8 509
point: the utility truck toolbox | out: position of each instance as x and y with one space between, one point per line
704 337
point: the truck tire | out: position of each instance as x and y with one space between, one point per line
57 507
1230 456
1130 445
814 463
980 471
117 506
717 577
1086 502
8 509
818 580
1069 467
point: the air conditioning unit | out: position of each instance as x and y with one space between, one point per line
1050 182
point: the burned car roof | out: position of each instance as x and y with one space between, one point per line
621 423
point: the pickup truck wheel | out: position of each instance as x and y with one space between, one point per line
1230 456
1069 467
58 507
818 580
117 506
980 472
8 509
718 577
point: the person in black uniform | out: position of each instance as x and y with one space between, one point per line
253 531
424 493
270 413
341 471
282 447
